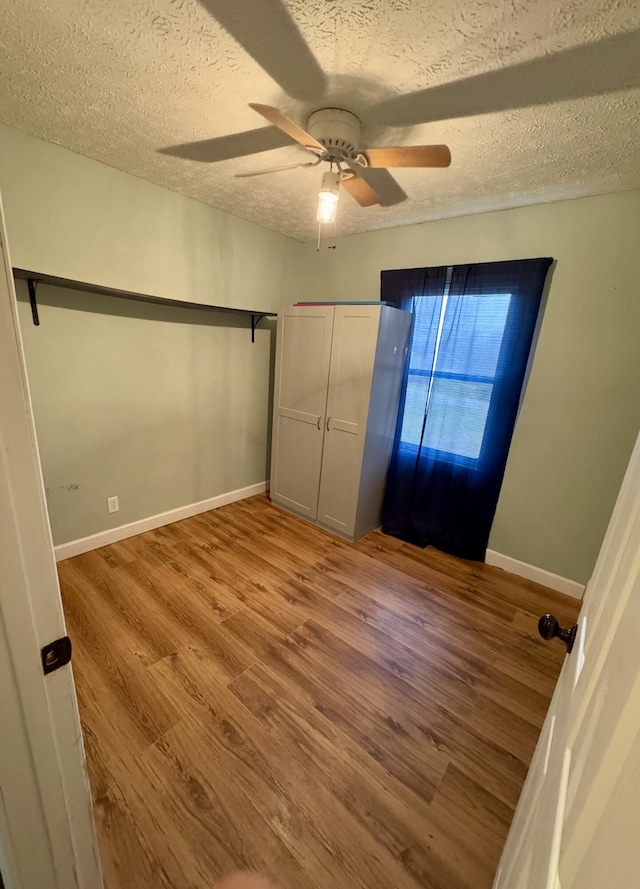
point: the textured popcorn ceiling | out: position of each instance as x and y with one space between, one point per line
118 80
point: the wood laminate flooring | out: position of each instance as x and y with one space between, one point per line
258 694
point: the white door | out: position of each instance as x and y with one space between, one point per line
302 371
355 335
578 820
46 827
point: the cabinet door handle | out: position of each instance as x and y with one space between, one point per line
328 422
319 420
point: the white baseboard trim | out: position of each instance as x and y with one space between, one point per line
531 572
112 535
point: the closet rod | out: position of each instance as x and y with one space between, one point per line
35 278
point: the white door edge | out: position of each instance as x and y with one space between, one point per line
49 843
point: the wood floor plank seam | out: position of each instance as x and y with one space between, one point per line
257 693
227 743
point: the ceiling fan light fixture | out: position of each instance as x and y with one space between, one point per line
328 197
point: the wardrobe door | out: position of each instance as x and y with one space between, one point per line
355 332
300 399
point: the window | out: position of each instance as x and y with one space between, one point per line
457 342
473 329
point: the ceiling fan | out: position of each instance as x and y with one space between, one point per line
273 39
333 136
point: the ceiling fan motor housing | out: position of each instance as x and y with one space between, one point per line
337 130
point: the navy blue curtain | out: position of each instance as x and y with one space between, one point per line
472 331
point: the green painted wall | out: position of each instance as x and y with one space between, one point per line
75 218
165 406
161 405
581 410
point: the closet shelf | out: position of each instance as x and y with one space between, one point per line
35 278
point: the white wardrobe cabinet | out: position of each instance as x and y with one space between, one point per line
338 378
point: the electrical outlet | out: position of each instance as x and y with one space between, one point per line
113 504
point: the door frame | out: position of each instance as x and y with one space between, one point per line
47 834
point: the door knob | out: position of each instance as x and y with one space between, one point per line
549 627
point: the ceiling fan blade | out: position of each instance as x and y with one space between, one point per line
594 69
210 151
360 191
287 126
358 187
382 183
410 156
275 170
265 29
